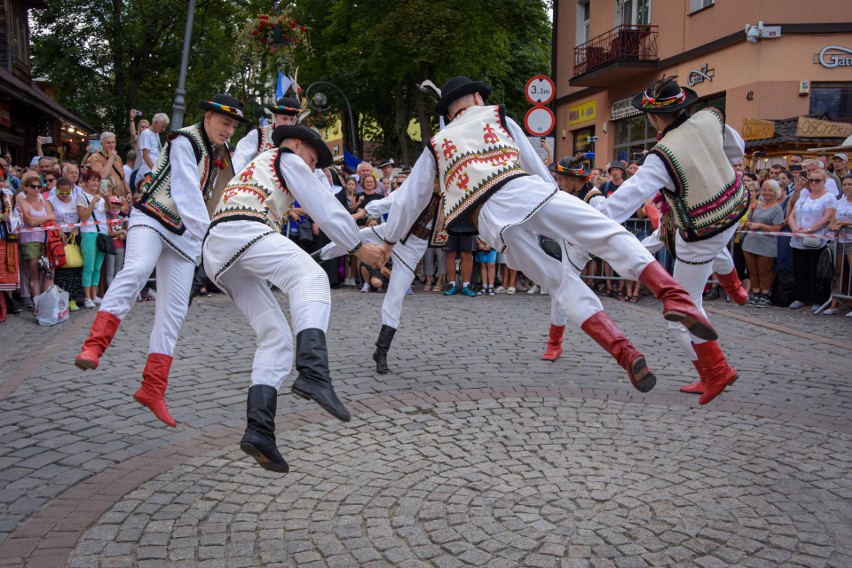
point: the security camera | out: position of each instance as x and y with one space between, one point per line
752 34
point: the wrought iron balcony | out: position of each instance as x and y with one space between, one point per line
630 44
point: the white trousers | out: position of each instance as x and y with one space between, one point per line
405 258
567 218
277 260
146 250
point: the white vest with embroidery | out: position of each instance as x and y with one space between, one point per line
476 155
257 193
156 192
708 197
264 138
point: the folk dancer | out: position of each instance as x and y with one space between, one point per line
165 231
244 252
692 164
284 111
571 176
491 175
425 231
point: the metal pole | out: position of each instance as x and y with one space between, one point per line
179 108
348 108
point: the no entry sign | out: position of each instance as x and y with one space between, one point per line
539 121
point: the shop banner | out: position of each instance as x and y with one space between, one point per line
582 112
754 129
815 128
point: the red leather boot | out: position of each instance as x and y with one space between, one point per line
606 334
716 372
152 392
695 388
554 343
733 287
100 336
677 305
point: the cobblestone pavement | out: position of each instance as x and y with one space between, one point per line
472 451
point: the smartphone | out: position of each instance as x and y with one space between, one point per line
95 146
638 156
47 139
138 113
759 154
796 167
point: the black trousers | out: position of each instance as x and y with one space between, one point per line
808 288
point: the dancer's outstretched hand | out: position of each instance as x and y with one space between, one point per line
371 254
386 250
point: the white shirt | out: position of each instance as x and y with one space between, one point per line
127 173
245 151
808 212
148 140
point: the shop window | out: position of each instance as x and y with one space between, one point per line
696 5
833 99
582 142
633 135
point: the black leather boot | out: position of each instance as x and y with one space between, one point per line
314 381
259 439
383 343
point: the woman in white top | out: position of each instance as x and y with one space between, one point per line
35 211
810 217
90 207
65 208
842 222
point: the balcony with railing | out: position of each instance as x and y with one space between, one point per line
628 49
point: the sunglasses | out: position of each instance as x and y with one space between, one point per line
48 180
815 180
34 185
63 193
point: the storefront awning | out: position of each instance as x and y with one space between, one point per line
30 95
785 136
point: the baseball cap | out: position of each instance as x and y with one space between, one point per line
843 157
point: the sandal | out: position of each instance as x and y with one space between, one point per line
633 299
622 297
427 288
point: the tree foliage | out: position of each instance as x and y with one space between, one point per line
106 56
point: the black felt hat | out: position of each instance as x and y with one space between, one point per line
571 167
458 87
670 97
388 162
285 105
224 104
307 135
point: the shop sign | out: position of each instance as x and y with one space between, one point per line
832 56
5 116
754 129
582 112
623 109
700 75
815 128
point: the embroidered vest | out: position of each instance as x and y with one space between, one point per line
475 155
708 197
156 192
258 193
588 192
264 138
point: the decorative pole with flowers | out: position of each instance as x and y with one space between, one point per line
273 39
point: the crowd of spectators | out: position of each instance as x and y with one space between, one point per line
811 198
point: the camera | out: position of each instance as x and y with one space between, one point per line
759 154
138 113
795 167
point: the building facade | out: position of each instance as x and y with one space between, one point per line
26 109
781 71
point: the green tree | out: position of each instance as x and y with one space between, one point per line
107 56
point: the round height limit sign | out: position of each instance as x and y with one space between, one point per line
539 120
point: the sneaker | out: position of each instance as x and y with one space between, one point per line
467 292
815 308
365 287
499 290
534 290
849 314
491 292
452 290
72 306
510 290
482 292
832 311
762 301
752 299
97 300
796 305
88 304
409 292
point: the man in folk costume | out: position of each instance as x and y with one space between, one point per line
426 230
165 231
245 252
571 176
284 111
492 176
692 164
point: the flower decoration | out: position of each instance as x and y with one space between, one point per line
279 31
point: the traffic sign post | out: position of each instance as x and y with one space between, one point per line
540 90
539 121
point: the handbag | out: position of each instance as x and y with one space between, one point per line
306 232
53 247
73 254
811 242
825 266
104 241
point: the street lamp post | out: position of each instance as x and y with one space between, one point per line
320 100
179 107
